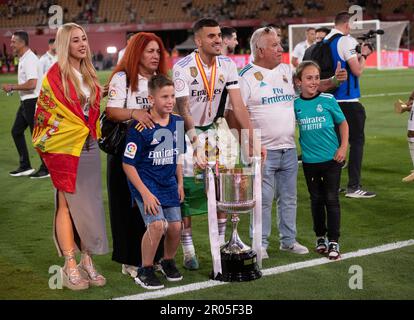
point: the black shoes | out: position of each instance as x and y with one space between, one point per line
40 174
170 271
147 278
20 172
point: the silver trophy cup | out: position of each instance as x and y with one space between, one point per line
234 196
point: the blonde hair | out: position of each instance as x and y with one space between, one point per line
87 69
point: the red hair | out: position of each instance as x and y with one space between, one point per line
133 52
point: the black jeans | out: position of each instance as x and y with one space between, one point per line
355 116
127 225
24 118
323 180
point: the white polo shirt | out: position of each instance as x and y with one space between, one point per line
29 68
189 83
46 61
300 49
269 95
117 93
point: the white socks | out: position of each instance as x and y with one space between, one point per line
411 148
187 242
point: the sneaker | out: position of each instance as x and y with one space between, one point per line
265 255
295 248
341 190
40 174
333 251
157 266
170 271
359 193
191 262
321 245
300 159
130 270
409 178
19 172
147 279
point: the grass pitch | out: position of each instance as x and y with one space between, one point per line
26 211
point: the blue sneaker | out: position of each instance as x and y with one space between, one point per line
191 262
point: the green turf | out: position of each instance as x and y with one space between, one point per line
26 211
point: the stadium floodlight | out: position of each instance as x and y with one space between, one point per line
111 50
387 45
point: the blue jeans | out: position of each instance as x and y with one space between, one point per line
171 214
279 182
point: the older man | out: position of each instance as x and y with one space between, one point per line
268 91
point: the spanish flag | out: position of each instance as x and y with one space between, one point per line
61 129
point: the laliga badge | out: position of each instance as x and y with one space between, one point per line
193 72
258 75
130 150
112 93
285 79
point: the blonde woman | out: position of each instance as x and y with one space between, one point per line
65 134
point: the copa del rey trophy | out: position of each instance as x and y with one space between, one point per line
235 192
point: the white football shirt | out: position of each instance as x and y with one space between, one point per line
268 95
117 93
188 82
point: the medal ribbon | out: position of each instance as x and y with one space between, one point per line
208 85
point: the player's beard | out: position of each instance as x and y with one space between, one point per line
230 50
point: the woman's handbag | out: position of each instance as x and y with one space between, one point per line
113 134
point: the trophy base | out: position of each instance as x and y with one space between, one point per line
238 267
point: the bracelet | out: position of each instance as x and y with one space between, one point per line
335 81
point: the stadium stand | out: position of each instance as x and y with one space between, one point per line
23 13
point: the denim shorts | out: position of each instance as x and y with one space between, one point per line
171 214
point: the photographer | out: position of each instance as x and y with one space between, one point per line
344 50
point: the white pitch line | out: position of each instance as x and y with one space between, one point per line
385 94
267 272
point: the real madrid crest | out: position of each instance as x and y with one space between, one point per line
193 72
221 78
258 75
319 108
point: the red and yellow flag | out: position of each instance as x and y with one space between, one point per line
61 129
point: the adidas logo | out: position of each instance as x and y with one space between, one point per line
154 141
194 82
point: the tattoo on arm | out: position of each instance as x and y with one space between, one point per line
183 108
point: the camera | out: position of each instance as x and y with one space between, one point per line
367 36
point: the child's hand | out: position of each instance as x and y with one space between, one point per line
181 193
340 155
151 203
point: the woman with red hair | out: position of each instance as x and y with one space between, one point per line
128 100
